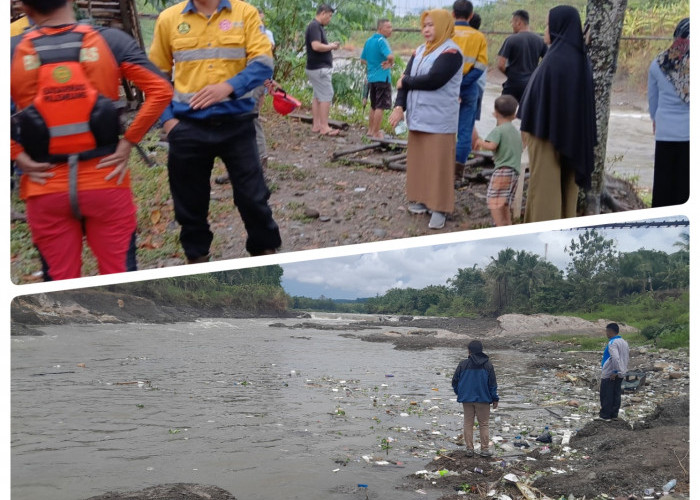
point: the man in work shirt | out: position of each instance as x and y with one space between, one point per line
520 54
472 43
218 55
613 370
61 73
377 56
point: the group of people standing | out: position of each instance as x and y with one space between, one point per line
549 87
207 60
553 96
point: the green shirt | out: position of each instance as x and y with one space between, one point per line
510 146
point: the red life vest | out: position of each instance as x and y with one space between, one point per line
68 116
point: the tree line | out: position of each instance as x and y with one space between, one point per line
518 281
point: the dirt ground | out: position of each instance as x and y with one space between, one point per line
611 458
317 202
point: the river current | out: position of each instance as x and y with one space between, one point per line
260 411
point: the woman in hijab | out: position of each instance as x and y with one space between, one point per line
428 93
669 107
558 120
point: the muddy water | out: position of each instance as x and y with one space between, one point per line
262 412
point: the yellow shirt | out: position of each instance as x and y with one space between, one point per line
199 50
472 43
17 27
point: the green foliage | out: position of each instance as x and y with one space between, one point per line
255 290
592 268
644 288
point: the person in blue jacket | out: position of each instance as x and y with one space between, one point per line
474 382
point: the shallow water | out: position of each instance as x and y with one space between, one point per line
219 404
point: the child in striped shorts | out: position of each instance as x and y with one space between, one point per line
506 143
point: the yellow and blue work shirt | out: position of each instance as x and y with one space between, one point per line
472 43
228 46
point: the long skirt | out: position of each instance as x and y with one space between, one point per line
552 191
430 170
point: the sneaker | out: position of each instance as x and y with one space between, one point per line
437 220
417 208
486 453
601 419
469 453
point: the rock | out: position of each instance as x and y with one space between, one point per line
573 403
675 375
379 233
661 366
324 218
176 491
311 213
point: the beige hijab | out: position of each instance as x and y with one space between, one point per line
444 27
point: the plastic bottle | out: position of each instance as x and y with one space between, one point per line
546 436
670 485
401 128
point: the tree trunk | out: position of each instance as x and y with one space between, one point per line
604 21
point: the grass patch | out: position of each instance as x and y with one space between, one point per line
663 323
287 172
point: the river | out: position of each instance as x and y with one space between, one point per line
260 411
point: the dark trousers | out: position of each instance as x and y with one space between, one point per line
194 145
610 397
515 88
671 173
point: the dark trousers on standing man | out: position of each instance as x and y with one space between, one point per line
194 145
610 397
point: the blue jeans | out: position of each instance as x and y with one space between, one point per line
467 114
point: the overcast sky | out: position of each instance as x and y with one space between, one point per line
370 274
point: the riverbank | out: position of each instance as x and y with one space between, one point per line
100 306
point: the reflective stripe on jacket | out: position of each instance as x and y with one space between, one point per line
472 43
228 46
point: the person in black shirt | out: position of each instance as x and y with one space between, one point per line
520 54
319 68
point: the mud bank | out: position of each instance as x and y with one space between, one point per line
101 306
510 330
179 491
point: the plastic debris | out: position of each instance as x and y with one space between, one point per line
511 477
670 485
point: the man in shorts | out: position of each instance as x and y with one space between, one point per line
377 56
319 68
506 143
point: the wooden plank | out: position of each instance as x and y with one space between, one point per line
344 152
394 142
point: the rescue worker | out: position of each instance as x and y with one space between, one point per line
218 55
64 83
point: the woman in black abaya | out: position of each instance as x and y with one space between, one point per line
557 114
